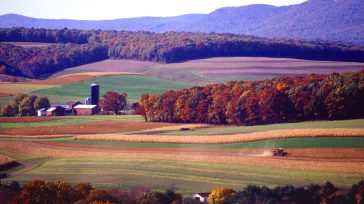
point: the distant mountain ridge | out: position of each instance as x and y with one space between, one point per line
335 20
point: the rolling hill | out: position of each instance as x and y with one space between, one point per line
336 20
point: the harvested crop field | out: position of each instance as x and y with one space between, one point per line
5 94
77 77
26 119
226 139
14 88
304 153
202 155
84 128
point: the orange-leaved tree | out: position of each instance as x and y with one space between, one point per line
220 195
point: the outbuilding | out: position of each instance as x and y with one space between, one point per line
42 112
201 197
55 111
86 109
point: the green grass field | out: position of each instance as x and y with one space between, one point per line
188 177
133 85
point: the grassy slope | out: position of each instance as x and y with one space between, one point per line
188 177
133 85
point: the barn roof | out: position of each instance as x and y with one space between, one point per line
85 106
51 109
203 194
73 102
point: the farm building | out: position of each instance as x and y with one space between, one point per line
42 112
201 197
72 104
86 109
56 111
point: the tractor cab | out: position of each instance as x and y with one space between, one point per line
279 152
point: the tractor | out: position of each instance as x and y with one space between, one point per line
279 152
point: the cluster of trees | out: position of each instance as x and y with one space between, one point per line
313 193
88 46
283 99
112 101
24 105
44 192
37 61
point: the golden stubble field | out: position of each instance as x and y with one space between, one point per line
226 139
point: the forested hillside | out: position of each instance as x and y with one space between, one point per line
284 99
335 20
76 47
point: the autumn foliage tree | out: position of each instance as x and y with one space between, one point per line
113 101
278 100
220 195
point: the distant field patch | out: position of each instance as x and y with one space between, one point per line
246 68
83 128
29 44
14 88
133 85
107 66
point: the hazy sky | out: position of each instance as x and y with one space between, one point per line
112 9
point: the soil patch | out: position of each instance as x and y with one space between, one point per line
85 128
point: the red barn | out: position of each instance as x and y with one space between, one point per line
86 109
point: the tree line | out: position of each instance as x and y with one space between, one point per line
44 192
76 47
24 105
277 100
37 61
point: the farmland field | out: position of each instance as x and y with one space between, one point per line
245 68
133 85
219 69
190 167
124 151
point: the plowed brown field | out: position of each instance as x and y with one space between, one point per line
197 155
26 119
5 94
85 128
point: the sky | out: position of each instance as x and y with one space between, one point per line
113 9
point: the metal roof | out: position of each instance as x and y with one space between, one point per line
85 106
51 109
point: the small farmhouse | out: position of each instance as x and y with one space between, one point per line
86 109
201 197
56 111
